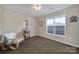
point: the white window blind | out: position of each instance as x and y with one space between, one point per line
56 25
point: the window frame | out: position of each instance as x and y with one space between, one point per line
54 33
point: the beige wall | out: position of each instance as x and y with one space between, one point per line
0 22
13 21
72 31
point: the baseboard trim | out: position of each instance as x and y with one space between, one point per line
57 41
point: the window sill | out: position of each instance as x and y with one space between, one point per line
63 36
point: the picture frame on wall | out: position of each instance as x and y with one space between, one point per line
41 23
73 19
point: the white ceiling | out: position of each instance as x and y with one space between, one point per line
27 8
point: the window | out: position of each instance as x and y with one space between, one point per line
50 26
56 25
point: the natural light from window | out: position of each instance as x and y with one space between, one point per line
56 25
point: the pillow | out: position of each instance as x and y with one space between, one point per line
3 39
10 35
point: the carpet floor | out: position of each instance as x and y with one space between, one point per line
40 45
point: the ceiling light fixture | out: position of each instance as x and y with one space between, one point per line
36 7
